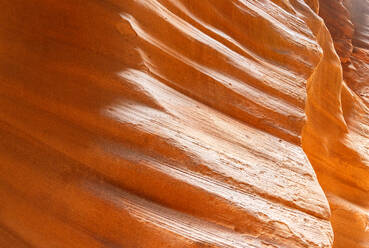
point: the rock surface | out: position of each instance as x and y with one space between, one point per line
340 152
183 123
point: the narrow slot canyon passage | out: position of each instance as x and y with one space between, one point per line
184 123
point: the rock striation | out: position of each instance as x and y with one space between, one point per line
183 123
339 151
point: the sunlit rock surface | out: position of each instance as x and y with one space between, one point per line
182 123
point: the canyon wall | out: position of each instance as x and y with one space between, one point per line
184 123
339 149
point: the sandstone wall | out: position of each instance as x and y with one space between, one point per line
184 123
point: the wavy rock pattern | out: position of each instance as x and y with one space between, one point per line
339 152
177 123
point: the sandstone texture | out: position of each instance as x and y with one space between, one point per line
184 123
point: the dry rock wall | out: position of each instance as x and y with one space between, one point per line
184 123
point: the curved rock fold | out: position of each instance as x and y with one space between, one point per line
182 123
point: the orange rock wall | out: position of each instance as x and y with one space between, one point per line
336 141
183 123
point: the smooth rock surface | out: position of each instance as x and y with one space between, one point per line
340 153
184 123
